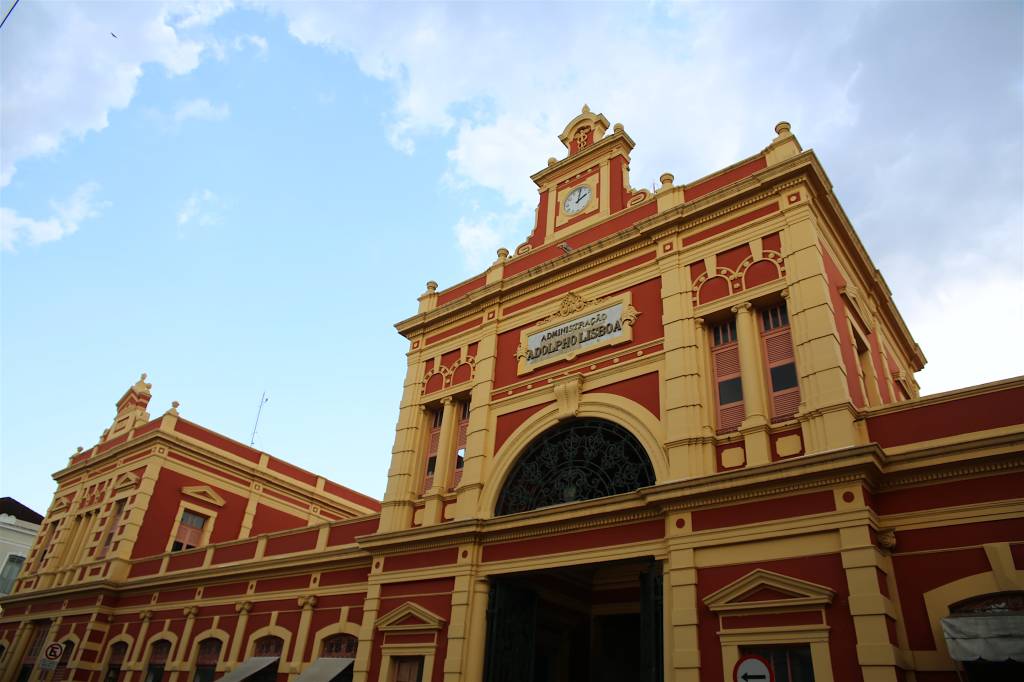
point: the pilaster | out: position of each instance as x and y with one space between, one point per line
243 609
474 468
442 465
752 376
371 605
397 508
307 603
683 657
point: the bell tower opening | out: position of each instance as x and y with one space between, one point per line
580 459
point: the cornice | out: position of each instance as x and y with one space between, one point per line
946 396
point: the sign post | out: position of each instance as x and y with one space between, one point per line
51 656
752 669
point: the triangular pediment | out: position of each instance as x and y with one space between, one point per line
204 493
761 589
128 480
410 616
61 504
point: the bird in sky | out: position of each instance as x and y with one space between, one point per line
113 34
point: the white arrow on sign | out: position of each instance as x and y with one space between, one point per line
752 669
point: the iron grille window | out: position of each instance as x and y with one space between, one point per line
582 459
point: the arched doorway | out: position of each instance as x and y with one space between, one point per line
579 459
985 635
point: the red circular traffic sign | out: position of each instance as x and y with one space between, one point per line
54 651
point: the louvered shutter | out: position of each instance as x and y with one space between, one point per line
780 362
460 444
726 363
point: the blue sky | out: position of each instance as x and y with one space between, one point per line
239 198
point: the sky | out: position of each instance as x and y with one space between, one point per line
240 198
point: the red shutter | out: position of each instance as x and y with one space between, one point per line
435 438
460 445
778 352
726 363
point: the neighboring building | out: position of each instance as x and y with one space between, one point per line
672 430
19 526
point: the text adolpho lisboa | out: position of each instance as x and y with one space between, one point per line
575 334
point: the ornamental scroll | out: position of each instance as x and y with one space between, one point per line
578 326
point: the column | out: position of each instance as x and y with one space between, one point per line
683 657
13 656
825 396
862 561
403 475
361 666
476 629
307 603
243 609
688 440
181 655
474 467
119 558
442 467
138 651
755 426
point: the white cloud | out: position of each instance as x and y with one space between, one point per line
201 208
480 237
928 178
78 207
200 109
63 72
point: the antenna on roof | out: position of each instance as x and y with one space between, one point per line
263 399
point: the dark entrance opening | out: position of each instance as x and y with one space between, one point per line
590 623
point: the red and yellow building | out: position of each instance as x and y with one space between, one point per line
672 429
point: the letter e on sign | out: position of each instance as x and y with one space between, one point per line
752 669
51 656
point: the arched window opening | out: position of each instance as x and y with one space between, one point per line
61 672
206 660
340 646
267 646
117 653
581 459
158 652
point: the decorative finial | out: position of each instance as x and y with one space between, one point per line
431 286
586 109
502 253
143 377
552 161
617 128
174 408
782 127
79 449
666 180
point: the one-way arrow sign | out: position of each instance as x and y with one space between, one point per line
752 669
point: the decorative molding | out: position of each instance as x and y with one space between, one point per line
428 620
804 593
127 480
204 493
567 395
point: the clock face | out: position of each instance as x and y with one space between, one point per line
577 200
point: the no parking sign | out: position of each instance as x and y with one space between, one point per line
51 656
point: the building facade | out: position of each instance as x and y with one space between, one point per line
18 528
672 430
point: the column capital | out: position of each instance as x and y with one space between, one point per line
243 607
447 400
699 321
145 615
741 308
190 611
307 602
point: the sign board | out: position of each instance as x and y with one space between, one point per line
752 669
51 656
578 326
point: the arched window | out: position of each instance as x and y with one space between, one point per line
206 660
117 653
340 646
61 672
158 652
581 459
267 646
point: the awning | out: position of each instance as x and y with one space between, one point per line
324 669
248 668
990 638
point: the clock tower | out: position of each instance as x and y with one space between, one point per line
588 186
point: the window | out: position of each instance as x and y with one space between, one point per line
117 653
788 663
407 669
777 342
190 531
436 417
206 660
158 653
460 441
115 523
340 646
271 647
9 572
725 361
46 539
